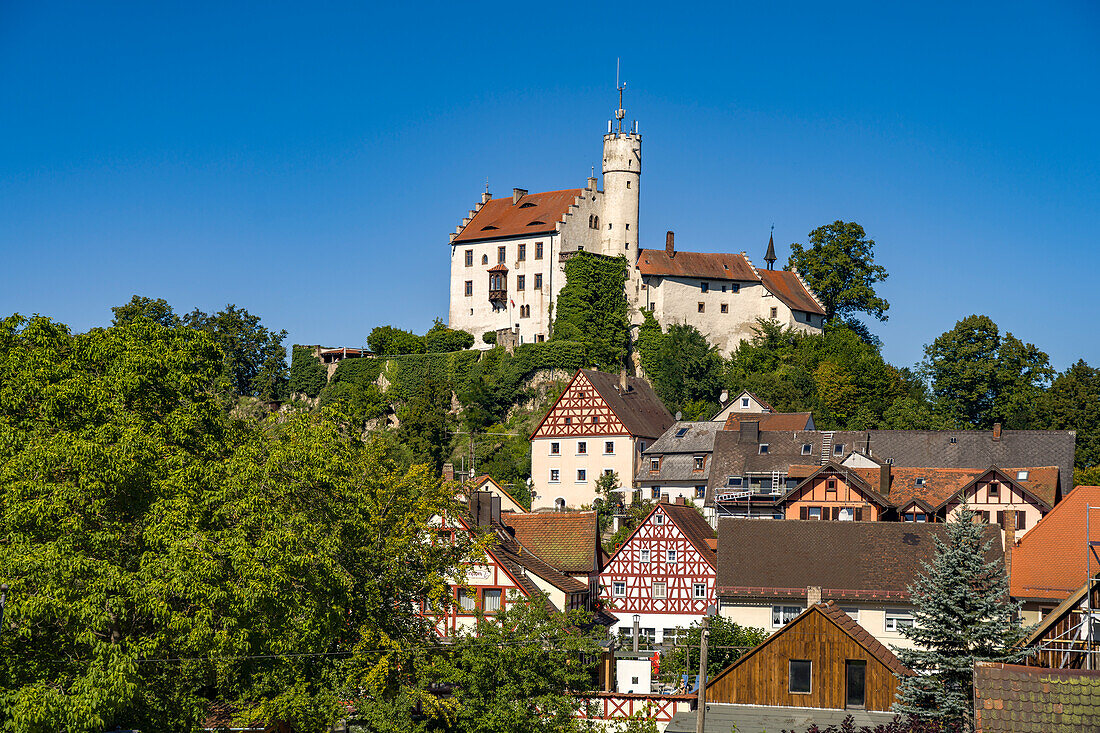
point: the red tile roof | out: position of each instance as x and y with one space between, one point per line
770 420
1050 561
711 265
568 541
789 288
535 213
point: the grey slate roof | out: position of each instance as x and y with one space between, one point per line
917 448
699 438
847 560
722 717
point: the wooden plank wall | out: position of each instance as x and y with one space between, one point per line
762 679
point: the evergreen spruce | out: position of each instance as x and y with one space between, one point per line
963 615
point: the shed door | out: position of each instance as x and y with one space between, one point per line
856 683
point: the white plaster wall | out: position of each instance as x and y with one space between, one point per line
677 299
568 462
622 170
658 621
627 669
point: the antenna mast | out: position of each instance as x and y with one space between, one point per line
619 113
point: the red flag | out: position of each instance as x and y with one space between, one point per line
513 303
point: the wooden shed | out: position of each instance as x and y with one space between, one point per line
822 659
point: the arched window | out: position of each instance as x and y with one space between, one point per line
559 504
596 223
484 259
590 218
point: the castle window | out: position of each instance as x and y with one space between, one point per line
538 281
608 226
469 258
736 287
502 253
775 312
538 250
628 227
702 307
628 184
725 308
484 259
521 281
704 287
469 287
591 218
521 253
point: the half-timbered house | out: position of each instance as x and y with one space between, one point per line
664 573
567 541
601 423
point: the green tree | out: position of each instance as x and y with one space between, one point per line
425 421
514 672
977 377
687 370
727 642
648 344
162 555
254 358
963 614
440 339
839 265
141 307
635 513
592 309
1073 403
390 341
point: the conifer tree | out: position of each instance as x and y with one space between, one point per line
963 614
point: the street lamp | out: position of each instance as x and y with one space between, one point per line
701 697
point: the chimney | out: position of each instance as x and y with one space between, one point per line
448 472
592 183
670 244
680 501
622 381
486 197
749 431
1010 540
664 499
813 595
884 479
483 502
996 431
517 194
495 509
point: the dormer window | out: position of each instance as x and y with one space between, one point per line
763 448
838 449
700 462
527 205
807 449
654 464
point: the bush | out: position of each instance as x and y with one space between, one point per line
441 339
489 337
390 341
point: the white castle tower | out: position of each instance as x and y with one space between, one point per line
622 172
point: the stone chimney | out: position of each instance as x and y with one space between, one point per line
813 595
670 244
749 431
448 472
996 431
486 197
517 194
664 499
623 384
1010 540
680 501
884 479
592 183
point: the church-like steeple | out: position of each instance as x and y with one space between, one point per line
770 256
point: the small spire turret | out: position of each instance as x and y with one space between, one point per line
770 256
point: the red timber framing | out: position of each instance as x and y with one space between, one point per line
579 412
643 559
491 575
619 705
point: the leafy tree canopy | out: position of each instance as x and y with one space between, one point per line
979 377
162 555
440 339
1073 403
390 341
687 372
727 642
839 265
139 306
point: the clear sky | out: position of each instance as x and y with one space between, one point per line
306 161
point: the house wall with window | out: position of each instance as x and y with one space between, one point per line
882 621
565 470
661 575
992 498
831 496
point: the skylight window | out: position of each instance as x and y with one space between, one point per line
1021 475
763 448
682 432
807 449
921 481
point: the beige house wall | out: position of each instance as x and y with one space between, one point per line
568 461
871 616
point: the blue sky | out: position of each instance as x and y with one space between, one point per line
306 161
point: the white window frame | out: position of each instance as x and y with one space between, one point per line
618 588
582 475
609 444
582 447
670 557
783 613
555 475
643 555
663 586
658 518
698 594
654 464
555 448
893 616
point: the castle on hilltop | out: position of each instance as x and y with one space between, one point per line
508 255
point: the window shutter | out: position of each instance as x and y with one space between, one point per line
804 512
1021 521
859 514
836 514
1001 519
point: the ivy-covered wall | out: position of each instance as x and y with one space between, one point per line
308 375
593 311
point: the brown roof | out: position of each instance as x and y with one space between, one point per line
770 420
1050 561
943 484
512 553
1011 697
789 288
638 407
568 541
535 213
711 265
848 560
